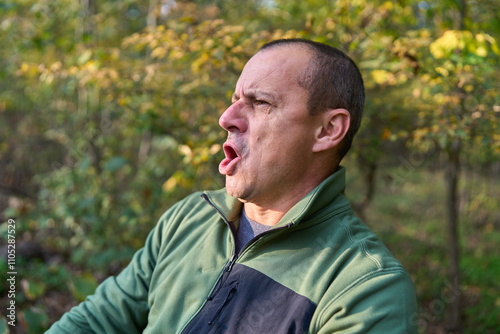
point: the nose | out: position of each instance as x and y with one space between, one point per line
233 119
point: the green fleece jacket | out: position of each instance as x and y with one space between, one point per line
319 270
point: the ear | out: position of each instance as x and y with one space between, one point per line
333 127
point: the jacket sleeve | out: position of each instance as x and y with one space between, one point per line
119 304
381 302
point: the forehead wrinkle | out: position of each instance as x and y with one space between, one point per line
255 93
252 85
260 93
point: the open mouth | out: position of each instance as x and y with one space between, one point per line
230 152
228 164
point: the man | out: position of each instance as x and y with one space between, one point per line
279 249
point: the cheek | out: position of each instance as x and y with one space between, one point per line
279 143
278 154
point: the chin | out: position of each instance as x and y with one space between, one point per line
231 193
235 193
234 189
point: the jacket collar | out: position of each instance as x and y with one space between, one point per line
327 197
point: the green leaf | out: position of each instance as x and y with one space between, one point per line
115 163
83 286
36 320
84 164
33 289
4 329
85 57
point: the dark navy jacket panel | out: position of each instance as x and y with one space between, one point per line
250 302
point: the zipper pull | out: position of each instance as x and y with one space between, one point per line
223 277
230 264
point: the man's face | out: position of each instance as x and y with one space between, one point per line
270 133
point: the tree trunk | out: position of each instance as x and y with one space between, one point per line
452 171
84 26
151 19
369 170
463 14
370 180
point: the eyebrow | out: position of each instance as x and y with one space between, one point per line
251 93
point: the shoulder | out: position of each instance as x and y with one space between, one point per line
371 287
359 238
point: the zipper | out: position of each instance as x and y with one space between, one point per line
234 257
225 272
229 265
223 277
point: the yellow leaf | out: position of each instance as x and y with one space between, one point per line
185 150
495 49
481 51
209 43
196 65
169 184
444 72
382 77
468 88
215 148
388 5
56 66
159 52
442 47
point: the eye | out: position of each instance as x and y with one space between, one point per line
261 102
262 105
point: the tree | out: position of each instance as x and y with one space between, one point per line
465 110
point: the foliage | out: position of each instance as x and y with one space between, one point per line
461 102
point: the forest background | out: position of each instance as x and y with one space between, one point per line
109 114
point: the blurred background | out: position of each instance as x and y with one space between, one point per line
109 114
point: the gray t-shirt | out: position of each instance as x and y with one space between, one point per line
247 230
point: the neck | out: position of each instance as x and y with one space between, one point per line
263 216
270 213
270 210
